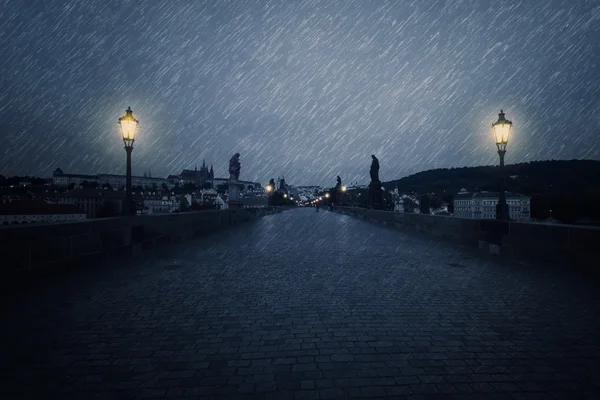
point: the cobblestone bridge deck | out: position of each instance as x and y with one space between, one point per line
305 305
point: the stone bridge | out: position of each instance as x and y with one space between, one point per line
304 305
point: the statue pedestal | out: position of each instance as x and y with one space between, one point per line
235 188
375 195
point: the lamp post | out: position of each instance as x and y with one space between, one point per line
128 126
501 129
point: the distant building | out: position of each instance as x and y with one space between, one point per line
195 176
96 203
38 212
9 197
482 205
156 203
118 181
207 196
59 178
204 175
221 203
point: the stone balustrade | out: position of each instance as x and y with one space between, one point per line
30 250
569 246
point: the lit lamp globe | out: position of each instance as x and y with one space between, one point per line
268 188
501 130
344 188
285 196
326 195
128 126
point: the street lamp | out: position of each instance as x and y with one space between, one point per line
326 195
128 126
501 129
344 188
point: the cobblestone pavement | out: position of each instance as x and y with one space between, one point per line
305 305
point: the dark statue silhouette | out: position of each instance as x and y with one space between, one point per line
375 191
374 169
339 182
234 167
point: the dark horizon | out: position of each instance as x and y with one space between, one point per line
326 185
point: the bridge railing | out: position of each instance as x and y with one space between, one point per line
31 250
571 246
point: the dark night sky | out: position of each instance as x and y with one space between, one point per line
308 89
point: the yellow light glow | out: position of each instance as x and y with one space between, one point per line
128 126
285 196
344 188
268 188
501 130
326 195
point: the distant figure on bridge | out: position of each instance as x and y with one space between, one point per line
339 182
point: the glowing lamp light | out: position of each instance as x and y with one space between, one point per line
344 188
268 188
128 127
285 196
501 130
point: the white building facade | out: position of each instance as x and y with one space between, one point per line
59 178
482 205
159 204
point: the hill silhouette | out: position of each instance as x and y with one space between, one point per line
570 188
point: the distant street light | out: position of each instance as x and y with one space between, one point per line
326 195
285 196
344 188
128 126
501 129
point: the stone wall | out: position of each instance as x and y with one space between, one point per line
29 250
546 244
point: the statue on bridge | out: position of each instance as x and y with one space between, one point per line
339 183
235 187
375 190
374 169
234 167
